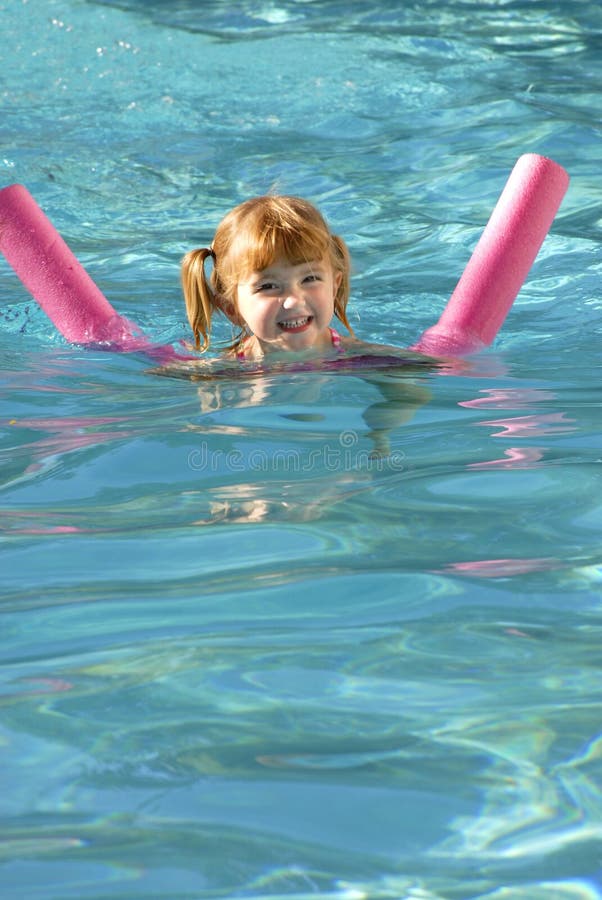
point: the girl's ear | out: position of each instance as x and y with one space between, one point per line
338 277
229 309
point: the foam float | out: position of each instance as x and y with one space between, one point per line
470 321
59 283
501 259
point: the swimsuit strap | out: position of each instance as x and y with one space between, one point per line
335 337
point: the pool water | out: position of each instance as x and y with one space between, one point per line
240 656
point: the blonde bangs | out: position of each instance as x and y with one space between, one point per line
257 248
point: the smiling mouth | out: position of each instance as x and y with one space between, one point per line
296 324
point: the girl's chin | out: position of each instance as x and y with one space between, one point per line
306 340
310 335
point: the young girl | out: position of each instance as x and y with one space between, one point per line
279 275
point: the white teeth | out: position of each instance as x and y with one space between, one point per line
294 323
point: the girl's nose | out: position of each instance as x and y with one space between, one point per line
290 299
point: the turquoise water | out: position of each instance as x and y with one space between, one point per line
239 657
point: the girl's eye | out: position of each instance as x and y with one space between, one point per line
266 286
312 278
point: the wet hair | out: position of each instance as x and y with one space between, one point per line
249 239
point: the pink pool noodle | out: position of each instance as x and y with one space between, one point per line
501 260
470 321
52 274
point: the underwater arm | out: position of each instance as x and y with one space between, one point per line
400 401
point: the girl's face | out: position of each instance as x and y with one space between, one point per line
289 306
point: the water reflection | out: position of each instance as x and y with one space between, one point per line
276 447
534 426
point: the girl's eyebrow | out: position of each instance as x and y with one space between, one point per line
306 264
264 275
275 272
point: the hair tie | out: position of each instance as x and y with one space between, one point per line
211 253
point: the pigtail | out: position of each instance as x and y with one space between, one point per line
342 265
198 296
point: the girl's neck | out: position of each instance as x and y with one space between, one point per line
254 349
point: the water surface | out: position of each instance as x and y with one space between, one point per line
241 657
